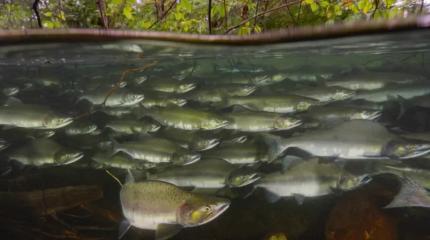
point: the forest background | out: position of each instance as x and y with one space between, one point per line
199 16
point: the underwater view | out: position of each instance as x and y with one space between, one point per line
138 139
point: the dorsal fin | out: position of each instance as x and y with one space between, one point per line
129 178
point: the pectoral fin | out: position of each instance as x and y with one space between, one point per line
271 197
124 226
299 198
166 231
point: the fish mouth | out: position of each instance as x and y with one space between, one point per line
240 139
374 115
10 91
188 87
249 90
65 121
138 98
46 134
141 79
347 95
220 209
3 144
181 102
211 143
155 128
252 179
420 151
295 124
74 157
192 159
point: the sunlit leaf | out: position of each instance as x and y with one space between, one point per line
127 12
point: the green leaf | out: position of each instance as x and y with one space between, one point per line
314 7
367 7
127 12
186 5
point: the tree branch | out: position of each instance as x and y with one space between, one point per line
209 17
255 19
376 2
164 14
225 14
262 13
102 9
36 11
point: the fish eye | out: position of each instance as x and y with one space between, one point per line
206 209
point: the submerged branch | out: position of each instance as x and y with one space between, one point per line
122 79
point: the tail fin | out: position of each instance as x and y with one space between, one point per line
276 145
411 194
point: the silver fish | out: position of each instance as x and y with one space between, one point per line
357 139
45 152
308 178
119 98
248 121
32 116
186 118
206 174
130 126
277 104
157 150
385 94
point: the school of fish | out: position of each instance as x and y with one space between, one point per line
194 141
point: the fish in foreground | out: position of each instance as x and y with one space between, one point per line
119 98
357 139
193 140
248 121
277 104
32 116
157 150
207 174
307 178
185 118
165 208
45 152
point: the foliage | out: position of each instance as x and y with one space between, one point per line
191 16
